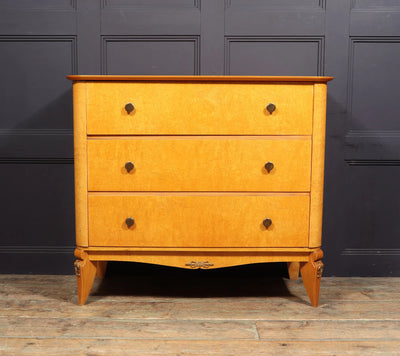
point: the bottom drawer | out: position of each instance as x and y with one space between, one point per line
194 220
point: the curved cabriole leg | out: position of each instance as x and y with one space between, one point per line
311 272
293 269
85 271
101 269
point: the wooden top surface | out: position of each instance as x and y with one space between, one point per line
198 78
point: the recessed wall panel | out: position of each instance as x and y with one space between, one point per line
374 98
149 3
43 5
37 205
150 55
34 91
375 4
277 4
273 56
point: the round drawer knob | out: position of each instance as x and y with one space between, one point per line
129 166
129 221
269 166
271 108
129 108
267 222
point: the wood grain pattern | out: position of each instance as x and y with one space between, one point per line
198 221
162 313
148 287
317 165
80 164
202 78
199 164
312 330
85 271
35 346
196 198
189 260
311 273
199 109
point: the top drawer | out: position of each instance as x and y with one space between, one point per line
199 108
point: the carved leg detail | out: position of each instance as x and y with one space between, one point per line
85 271
311 272
101 269
293 269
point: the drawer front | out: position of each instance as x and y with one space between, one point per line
199 108
198 220
199 164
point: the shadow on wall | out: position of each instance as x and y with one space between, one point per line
360 229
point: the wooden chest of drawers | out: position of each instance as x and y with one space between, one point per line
199 172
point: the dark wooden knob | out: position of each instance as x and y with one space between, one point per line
271 108
129 108
129 221
269 166
129 166
267 222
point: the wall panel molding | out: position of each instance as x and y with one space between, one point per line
25 144
39 5
193 40
364 145
372 148
37 259
318 40
36 146
151 20
48 38
37 249
371 252
287 5
375 21
150 5
354 40
373 163
374 5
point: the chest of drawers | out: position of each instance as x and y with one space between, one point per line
199 172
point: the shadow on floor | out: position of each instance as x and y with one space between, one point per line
136 279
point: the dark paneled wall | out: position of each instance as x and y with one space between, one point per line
356 41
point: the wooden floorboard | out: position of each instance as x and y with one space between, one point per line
209 314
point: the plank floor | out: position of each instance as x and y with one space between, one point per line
166 311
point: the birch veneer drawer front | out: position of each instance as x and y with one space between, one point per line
199 109
200 164
199 220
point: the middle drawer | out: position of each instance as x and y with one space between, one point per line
199 164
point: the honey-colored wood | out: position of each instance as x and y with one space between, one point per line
221 250
199 164
198 221
317 166
311 273
199 191
80 164
202 78
293 270
85 271
196 260
199 108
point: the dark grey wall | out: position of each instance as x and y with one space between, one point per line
356 41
